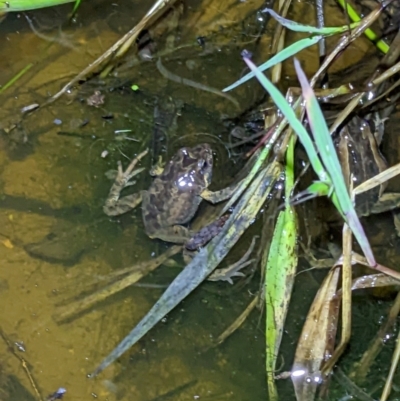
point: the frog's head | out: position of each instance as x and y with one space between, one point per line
195 165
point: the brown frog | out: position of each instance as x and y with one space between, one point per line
358 150
173 197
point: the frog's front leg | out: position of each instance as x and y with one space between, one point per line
221 195
158 168
114 205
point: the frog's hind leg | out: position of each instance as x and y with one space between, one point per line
221 195
176 234
234 269
115 206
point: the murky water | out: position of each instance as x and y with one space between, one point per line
54 238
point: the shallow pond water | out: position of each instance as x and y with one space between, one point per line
55 240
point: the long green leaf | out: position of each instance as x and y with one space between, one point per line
283 55
25 5
295 47
295 26
279 275
290 115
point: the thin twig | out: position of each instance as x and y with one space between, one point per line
23 363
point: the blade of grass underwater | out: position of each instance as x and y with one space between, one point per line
76 6
204 262
15 78
331 161
296 27
25 5
291 116
283 55
279 276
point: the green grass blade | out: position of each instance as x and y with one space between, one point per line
272 294
295 26
279 274
283 55
16 77
331 162
295 47
76 6
25 5
369 33
290 115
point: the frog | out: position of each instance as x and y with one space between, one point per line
358 150
173 197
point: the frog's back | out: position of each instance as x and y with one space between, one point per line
174 196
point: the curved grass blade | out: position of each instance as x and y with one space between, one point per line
296 27
204 262
330 159
278 58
